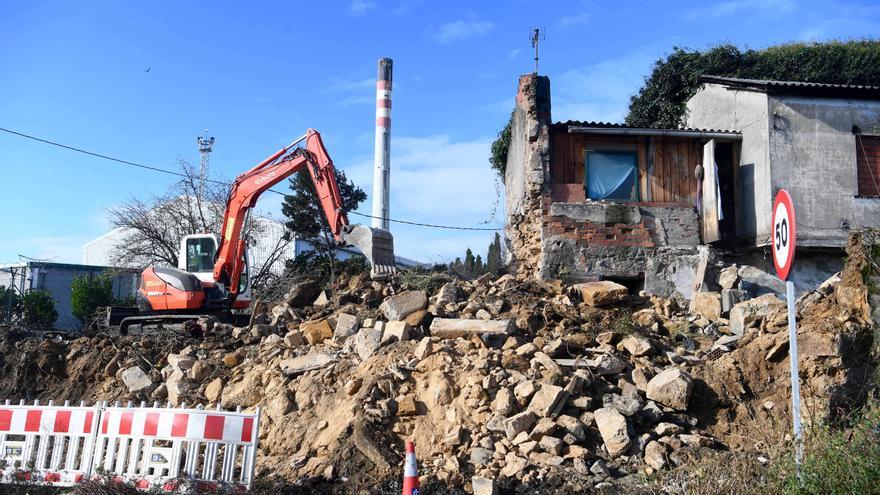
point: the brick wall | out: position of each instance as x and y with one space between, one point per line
868 165
589 233
610 239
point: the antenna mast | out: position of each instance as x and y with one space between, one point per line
535 37
206 146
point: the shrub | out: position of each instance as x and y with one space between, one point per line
661 102
498 158
38 309
89 293
841 461
10 304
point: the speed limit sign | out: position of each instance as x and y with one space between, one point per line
784 231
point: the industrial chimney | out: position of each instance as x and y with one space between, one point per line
382 157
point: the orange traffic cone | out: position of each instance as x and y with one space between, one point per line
410 471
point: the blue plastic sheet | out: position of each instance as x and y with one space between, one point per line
611 175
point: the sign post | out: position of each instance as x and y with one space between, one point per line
784 232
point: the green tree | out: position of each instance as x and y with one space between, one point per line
38 309
479 269
493 256
305 216
661 102
469 262
10 304
88 293
498 157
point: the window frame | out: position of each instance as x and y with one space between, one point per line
632 153
860 153
197 241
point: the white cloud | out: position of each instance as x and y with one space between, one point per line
746 7
601 91
437 180
461 30
58 249
574 20
513 53
405 6
360 7
354 91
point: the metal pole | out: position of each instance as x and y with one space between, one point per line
795 379
10 294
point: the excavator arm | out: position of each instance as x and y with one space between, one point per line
377 245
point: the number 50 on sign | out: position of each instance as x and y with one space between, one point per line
784 233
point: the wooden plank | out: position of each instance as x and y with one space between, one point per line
682 189
663 171
642 168
709 213
736 192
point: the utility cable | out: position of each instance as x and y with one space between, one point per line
180 174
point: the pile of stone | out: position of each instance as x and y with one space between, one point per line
497 380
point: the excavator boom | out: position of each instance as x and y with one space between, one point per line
377 245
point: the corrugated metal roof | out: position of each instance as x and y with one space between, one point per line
613 125
797 87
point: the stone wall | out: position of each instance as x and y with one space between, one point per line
528 162
583 241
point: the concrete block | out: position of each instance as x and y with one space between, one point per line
399 306
451 328
308 362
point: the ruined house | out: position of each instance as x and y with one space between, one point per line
821 142
588 200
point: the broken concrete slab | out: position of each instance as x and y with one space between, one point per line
707 305
136 380
759 282
518 423
366 341
316 331
613 428
395 331
732 297
399 306
346 326
546 399
672 388
483 486
637 345
744 313
451 328
298 365
600 293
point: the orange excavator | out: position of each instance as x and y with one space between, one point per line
212 273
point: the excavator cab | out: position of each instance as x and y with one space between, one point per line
197 255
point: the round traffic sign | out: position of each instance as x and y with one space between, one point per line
783 229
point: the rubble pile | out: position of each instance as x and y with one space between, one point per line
498 381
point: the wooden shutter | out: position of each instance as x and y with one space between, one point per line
709 213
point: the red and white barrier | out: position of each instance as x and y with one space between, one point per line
151 446
148 446
46 444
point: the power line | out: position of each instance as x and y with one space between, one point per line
179 174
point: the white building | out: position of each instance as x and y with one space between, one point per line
261 248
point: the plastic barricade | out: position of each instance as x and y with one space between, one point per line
175 449
46 444
162 447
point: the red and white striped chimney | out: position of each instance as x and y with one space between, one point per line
382 157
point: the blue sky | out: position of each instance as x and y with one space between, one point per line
257 74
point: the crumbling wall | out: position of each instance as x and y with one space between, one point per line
582 241
528 161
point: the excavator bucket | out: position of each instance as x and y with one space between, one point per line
377 245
